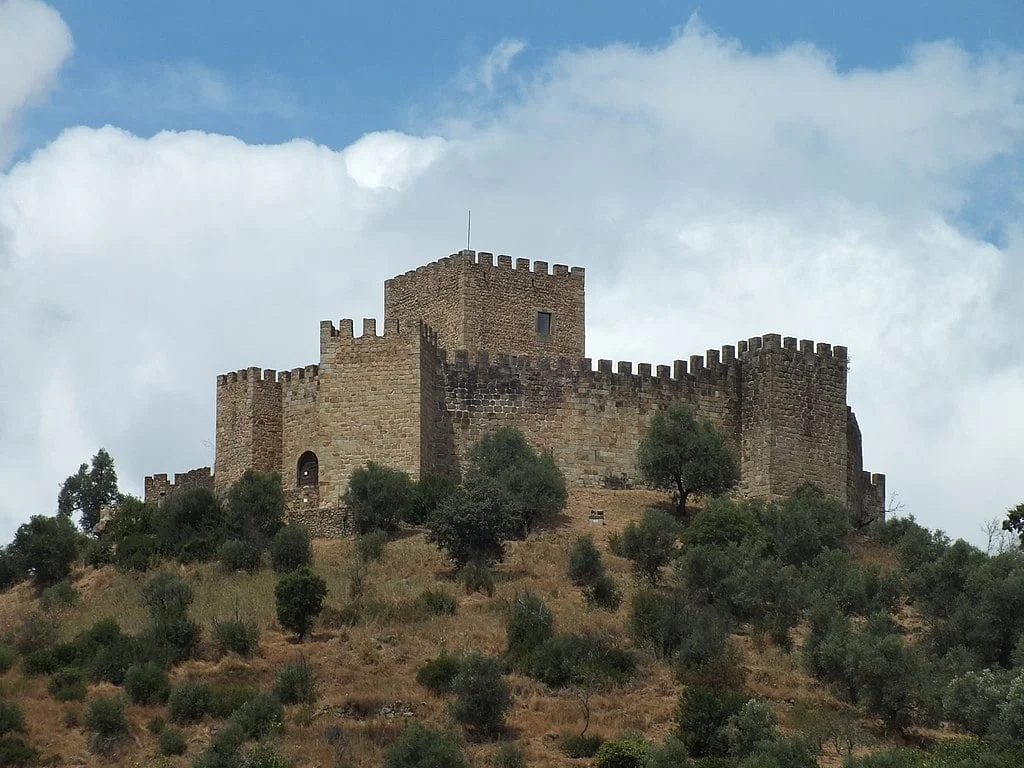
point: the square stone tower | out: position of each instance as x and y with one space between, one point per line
478 305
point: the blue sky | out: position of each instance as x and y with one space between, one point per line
333 71
172 174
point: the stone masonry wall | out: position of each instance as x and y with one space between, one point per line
475 304
248 425
158 487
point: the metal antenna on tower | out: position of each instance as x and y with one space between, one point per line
469 228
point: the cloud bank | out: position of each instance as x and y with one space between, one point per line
712 193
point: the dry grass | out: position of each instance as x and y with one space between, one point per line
365 667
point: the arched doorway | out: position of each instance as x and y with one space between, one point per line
308 470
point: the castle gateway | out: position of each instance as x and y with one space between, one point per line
470 344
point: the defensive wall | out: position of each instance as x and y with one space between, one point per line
462 352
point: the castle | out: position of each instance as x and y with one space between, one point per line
471 343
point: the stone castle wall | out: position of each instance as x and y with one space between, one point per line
476 304
157 487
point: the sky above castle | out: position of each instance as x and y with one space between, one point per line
189 188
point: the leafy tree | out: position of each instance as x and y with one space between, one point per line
588 573
650 545
88 490
380 497
300 598
1015 522
482 696
529 624
174 636
423 747
430 490
44 548
190 525
255 507
701 720
472 524
290 549
533 480
680 454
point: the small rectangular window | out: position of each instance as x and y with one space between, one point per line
544 323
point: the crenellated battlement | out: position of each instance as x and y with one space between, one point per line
158 487
804 349
487 260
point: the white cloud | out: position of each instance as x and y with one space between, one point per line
34 42
713 194
493 66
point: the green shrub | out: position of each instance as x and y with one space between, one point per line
167 597
265 754
259 717
236 636
472 525
437 602
622 753
421 747
68 684
189 525
111 659
45 547
290 549
58 597
428 493
36 632
171 741
481 696
587 571
14 751
650 545
787 752
225 750
668 624
156 725
671 754
754 724
577 745
136 552
568 659
147 684
438 675
701 720
12 717
41 662
300 598
189 702
379 497
296 682
225 700
370 546
8 658
476 577
105 718
529 624
239 555
255 507
509 756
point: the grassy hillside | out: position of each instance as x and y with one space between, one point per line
367 690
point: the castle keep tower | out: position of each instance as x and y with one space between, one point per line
470 344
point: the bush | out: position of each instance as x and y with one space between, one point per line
135 552
147 684
529 625
370 546
266 755
604 594
702 717
290 549
650 545
36 632
588 572
437 602
45 548
296 682
421 747
156 725
753 725
14 751
668 624
225 750
438 675
577 745
509 756
259 717
61 595
788 752
579 659
239 555
167 596
189 525
477 578
481 696
225 700
105 718
428 494
8 658
255 507
671 754
12 717
236 636
533 482
68 684
189 702
300 598
171 741
472 524
622 753
379 498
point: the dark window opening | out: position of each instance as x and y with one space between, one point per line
309 469
544 323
